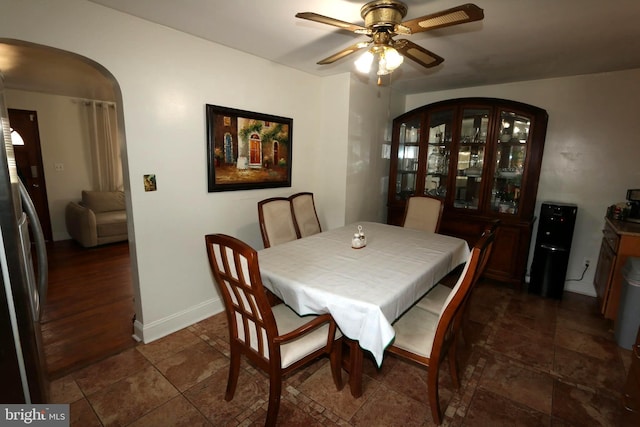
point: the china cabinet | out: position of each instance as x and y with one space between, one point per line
482 157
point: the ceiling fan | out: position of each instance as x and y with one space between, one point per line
383 21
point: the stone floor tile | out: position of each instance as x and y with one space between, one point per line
130 398
192 365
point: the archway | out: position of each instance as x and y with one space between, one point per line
49 72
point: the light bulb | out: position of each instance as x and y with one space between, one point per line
393 58
382 65
363 64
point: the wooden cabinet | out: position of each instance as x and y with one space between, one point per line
631 392
482 157
620 240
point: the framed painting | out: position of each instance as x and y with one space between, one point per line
247 150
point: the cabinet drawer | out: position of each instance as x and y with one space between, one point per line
604 272
611 237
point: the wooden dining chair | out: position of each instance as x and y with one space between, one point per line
276 221
435 299
427 338
423 213
304 214
275 339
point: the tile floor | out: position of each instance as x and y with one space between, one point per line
532 362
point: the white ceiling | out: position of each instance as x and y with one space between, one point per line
517 40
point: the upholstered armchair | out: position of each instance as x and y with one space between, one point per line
99 218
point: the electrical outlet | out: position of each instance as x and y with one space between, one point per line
587 262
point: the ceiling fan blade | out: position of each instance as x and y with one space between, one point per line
332 21
417 53
454 16
344 52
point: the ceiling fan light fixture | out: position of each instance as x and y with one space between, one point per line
383 20
388 60
392 58
363 63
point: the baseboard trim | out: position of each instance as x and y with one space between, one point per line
148 332
587 290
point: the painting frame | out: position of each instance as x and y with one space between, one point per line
247 150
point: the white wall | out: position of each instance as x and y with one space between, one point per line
330 163
369 115
165 79
359 114
63 139
591 152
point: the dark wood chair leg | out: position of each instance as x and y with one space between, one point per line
336 363
432 391
275 388
453 365
464 327
354 367
234 372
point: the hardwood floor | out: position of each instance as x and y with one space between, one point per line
88 314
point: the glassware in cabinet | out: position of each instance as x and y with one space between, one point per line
440 125
511 152
471 154
474 127
408 156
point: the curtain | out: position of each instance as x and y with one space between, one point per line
105 147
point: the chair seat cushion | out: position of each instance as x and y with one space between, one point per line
288 320
415 331
112 223
434 300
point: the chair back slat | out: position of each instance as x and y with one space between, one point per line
276 221
235 269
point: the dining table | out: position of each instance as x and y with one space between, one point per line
365 289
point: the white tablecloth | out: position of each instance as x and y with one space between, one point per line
365 289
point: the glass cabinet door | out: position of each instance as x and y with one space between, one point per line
408 158
511 152
471 155
438 151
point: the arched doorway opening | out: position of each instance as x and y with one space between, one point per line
34 76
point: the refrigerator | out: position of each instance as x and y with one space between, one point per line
23 264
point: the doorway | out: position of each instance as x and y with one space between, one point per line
26 147
84 288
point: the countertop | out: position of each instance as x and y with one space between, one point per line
624 227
